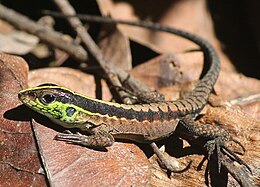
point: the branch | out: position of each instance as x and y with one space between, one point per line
46 35
114 75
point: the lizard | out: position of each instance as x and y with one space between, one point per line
144 123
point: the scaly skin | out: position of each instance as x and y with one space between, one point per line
143 123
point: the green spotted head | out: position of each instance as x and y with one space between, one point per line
57 103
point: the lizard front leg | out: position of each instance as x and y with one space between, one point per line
98 139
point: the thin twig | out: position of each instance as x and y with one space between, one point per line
114 75
239 174
245 100
44 33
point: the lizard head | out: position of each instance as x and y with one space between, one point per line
55 102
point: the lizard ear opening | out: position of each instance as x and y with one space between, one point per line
70 111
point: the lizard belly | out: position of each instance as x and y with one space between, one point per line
144 131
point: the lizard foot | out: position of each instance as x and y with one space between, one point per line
215 137
100 140
219 144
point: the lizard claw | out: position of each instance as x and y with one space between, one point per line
219 144
213 145
234 154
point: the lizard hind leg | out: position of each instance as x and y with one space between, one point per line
215 139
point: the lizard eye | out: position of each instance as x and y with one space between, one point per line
47 98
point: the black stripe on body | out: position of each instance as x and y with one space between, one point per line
95 106
112 110
153 113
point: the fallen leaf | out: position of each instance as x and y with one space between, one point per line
115 46
68 77
73 165
20 164
17 42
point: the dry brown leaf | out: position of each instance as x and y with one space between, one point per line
169 13
252 109
191 16
73 165
115 46
19 160
169 69
17 42
231 85
68 77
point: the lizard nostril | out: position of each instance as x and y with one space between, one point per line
20 95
